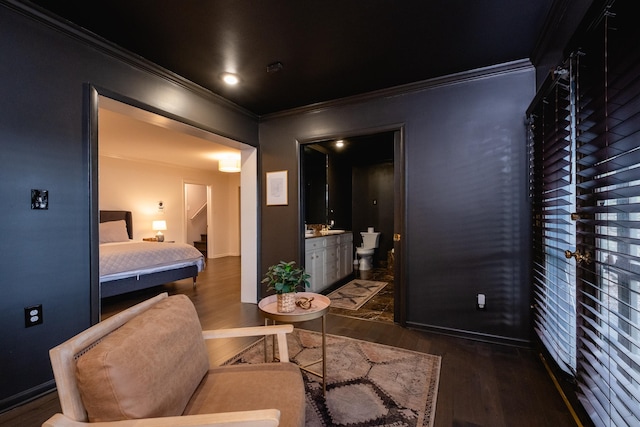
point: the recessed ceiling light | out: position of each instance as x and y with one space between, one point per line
339 143
230 79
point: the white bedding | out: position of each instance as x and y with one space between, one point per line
134 258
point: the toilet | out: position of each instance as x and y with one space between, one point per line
368 248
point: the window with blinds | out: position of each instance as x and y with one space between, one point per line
594 157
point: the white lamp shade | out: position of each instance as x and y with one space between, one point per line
229 165
159 225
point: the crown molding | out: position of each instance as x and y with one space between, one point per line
451 79
105 46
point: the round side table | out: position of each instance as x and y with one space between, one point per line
319 308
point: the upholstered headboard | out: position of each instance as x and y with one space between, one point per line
116 216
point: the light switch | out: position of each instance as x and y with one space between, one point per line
39 199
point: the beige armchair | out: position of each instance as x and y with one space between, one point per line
148 366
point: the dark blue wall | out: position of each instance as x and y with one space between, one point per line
45 254
467 210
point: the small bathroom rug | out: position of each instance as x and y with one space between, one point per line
355 294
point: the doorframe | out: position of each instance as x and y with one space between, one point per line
399 211
399 221
248 181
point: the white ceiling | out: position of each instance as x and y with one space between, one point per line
130 133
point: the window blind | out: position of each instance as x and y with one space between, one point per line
584 140
553 200
608 193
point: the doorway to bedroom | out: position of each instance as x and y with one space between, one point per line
140 179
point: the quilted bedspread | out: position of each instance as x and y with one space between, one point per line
139 256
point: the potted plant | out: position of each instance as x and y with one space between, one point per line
285 278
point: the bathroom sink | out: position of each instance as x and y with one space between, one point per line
331 232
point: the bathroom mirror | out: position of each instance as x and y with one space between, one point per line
316 193
343 181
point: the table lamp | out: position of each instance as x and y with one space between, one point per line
159 226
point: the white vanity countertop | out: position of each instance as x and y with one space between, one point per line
326 233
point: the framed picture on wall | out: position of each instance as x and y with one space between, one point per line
277 188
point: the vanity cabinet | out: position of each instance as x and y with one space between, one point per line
314 260
332 260
328 259
346 254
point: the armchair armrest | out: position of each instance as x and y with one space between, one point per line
279 330
259 418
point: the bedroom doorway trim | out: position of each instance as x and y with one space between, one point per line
96 98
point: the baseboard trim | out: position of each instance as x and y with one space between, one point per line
26 396
230 254
475 336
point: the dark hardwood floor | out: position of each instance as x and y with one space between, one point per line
481 384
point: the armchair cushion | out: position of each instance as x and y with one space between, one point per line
252 386
130 373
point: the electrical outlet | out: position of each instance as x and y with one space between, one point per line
481 303
33 315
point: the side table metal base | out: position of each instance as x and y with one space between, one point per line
305 368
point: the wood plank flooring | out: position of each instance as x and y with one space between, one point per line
481 384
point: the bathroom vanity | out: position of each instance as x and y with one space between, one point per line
328 258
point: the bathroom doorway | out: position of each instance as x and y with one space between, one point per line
355 183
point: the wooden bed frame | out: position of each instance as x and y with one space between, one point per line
130 284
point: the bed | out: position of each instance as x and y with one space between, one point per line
127 265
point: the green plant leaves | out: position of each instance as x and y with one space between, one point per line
285 277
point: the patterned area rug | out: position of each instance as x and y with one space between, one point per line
368 384
354 294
